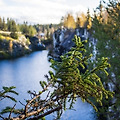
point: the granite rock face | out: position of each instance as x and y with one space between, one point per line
62 40
36 44
12 49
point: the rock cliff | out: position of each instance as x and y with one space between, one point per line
12 49
62 40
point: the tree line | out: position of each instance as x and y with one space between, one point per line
11 26
82 20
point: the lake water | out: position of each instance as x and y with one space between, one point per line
25 73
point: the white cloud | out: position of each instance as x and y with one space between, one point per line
1 3
38 11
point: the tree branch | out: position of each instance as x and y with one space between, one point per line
46 113
26 107
11 111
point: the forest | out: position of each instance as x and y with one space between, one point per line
99 85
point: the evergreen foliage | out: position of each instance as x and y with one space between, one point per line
106 29
69 83
75 83
3 93
28 30
13 27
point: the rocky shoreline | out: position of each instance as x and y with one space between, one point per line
10 48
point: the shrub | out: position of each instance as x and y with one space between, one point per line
14 35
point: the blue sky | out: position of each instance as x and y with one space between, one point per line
43 11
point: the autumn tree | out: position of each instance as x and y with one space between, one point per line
69 21
81 20
10 46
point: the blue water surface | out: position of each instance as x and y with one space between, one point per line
25 73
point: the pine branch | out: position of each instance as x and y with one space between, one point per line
26 107
46 113
11 111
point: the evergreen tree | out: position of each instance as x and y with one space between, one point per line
3 25
0 23
9 24
14 26
28 29
108 42
32 31
88 24
62 21
24 28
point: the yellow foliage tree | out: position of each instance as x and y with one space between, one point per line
69 21
10 46
81 20
88 20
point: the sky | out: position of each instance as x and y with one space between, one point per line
44 11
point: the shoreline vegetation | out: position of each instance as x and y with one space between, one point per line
12 48
20 39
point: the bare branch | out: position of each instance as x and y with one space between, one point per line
26 107
2 117
11 111
46 113
21 103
